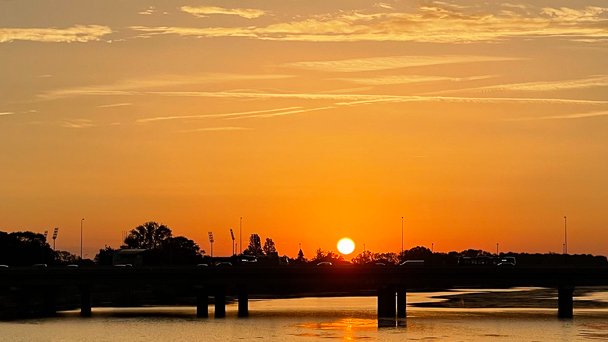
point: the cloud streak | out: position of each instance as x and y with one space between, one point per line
115 105
436 22
215 129
224 115
128 87
78 33
564 117
589 82
394 62
388 80
204 11
350 98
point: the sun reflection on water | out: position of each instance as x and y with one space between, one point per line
349 326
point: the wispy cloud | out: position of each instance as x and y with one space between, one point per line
394 62
115 105
435 22
208 129
78 33
78 123
376 98
289 112
149 11
204 11
387 80
564 117
128 87
6 113
589 82
223 115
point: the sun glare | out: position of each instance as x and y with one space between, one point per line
346 246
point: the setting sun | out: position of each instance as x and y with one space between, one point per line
346 246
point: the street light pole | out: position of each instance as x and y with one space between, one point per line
241 235
81 240
565 236
402 235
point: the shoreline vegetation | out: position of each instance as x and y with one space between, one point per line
153 244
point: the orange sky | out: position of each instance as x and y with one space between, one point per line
478 122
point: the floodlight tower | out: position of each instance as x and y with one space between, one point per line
46 232
232 235
55 236
211 241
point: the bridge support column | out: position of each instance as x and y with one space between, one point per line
401 301
386 302
220 301
202 302
85 300
565 300
243 300
50 301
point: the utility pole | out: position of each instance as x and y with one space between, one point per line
497 249
565 236
81 240
241 235
402 235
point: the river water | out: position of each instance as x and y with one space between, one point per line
314 319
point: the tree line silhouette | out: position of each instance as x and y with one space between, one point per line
161 247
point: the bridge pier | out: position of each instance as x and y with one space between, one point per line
220 301
243 300
85 300
50 301
565 301
202 302
386 302
401 301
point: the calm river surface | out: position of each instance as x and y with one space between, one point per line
314 319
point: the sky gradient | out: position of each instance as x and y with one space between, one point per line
478 122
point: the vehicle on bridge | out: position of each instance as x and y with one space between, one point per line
487 261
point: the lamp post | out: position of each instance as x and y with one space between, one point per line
241 235
81 221
401 235
565 236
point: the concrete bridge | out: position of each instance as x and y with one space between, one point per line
390 283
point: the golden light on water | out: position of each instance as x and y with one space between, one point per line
346 246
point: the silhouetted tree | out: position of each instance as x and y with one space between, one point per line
329 256
162 247
415 253
149 235
65 257
255 246
385 258
181 250
105 256
363 258
25 249
301 257
269 247
471 253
